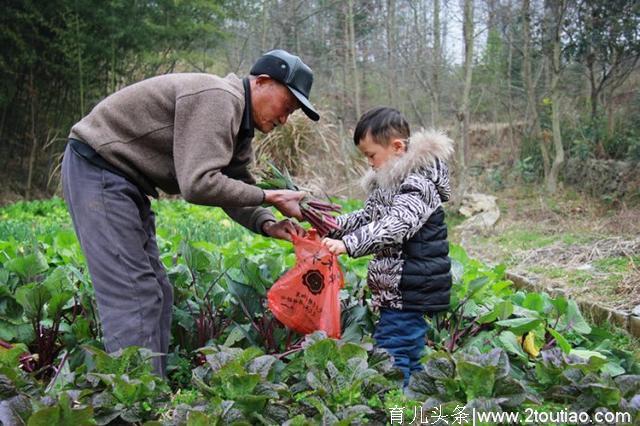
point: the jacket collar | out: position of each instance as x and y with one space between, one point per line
246 127
425 147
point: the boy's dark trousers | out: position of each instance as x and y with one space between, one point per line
402 334
115 225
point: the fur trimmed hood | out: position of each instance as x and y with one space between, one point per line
425 147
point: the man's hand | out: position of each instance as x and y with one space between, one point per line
285 201
336 247
283 229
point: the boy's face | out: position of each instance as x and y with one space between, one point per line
377 155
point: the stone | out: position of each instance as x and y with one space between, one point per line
634 326
621 319
481 210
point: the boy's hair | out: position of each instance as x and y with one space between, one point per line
383 124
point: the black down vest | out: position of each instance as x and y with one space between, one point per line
426 274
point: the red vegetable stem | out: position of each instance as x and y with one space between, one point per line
321 205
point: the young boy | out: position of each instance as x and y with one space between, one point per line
402 223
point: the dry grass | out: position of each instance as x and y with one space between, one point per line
572 242
577 255
320 156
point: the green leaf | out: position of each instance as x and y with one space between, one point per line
510 344
607 396
573 319
4 277
628 384
61 289
440 367
520 325
511 389
560 304
560 340
316 382
127 391
14 410
502 310
476 285
22 332
352 350
612 369
32 297
477 380
251 403
237 334
586 354
238 385
317 355
65 239
179 275
535 302
422 385
10 309
57 303
246 295
197 260
28 266
62 415
262 365
198 418
484 405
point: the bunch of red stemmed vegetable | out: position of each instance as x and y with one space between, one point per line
314 211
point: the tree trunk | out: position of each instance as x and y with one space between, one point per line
510 130
611 123
354 68
531 114
390 30
34 139
495 71
463 112
533 128
437 55
265 25
345 67
80 74
558 159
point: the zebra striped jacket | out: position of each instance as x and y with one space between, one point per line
402 224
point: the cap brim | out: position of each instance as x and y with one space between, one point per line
307 107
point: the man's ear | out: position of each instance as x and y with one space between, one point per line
398 145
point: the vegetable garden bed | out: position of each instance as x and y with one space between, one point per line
497 349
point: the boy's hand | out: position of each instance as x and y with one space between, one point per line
283 229
287 202
336 247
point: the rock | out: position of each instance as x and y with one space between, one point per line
475 203
481 210
634 326
621 319
636 311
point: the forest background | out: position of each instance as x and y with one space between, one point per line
528 89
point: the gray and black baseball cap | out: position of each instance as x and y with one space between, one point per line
289 70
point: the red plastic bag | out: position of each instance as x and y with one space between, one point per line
306 298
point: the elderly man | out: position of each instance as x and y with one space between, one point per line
187 134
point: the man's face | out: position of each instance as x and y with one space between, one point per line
271 103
